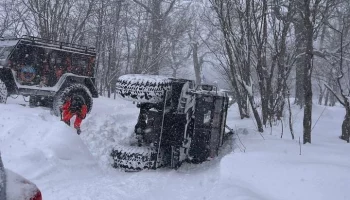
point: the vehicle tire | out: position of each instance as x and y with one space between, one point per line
33 101
143 88
74 89
46 102
133 157
3 92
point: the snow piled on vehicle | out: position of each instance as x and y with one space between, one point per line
63 165
109 123
136 78
2 180
18 188
143 88
8 43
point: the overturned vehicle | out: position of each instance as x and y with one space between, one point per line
177 123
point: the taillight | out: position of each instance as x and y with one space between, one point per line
37 196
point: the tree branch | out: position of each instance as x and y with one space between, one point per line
144 6
336 96
172 3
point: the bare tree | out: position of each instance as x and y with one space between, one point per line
5 16
176 43
338 56
281 23
62 20
158 17
308 13
343 98
238 46
13 19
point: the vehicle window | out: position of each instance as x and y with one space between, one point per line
82 63
79 65
90 68
207 117
58 60
53 58
5 52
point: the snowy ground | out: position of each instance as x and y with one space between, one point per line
64 165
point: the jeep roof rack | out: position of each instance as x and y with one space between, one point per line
54 44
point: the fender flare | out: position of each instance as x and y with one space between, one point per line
68 79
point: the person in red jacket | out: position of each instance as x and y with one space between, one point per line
74 106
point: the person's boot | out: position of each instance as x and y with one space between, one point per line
78 131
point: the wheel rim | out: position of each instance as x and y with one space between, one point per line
84 95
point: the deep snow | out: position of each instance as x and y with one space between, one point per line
64 165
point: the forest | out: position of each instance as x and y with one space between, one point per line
269 53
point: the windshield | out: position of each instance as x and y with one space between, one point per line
6 47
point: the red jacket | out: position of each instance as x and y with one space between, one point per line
66 105
81 114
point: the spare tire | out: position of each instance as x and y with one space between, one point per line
134 157
3 92
143 88
74 89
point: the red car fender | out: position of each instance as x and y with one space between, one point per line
19 188
37 196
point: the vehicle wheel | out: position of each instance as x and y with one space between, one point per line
33 101
143 88
133 157
3 92
74 89
46 102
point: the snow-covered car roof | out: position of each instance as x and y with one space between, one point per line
18 188
15 187
8 43
2 180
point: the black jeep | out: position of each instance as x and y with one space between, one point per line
178 122
47 71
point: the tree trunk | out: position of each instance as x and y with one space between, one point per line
300 50
332 99
196 65
308 102
261 67
326 98
345 133
307 74
156 36
321 95
256 114
240 96
108 91
290 116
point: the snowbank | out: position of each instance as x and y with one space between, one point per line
35 142
272 168
63 165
